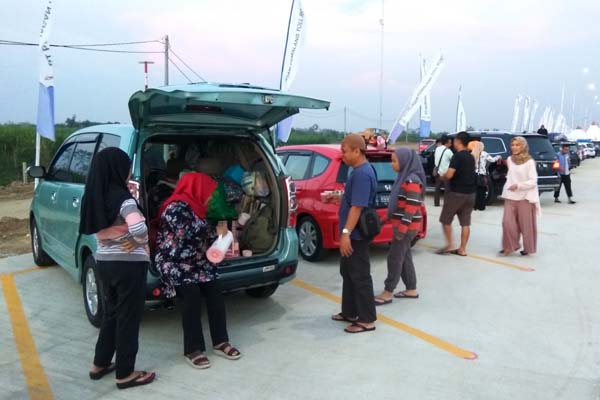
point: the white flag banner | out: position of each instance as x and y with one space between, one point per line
515 121
45 113
423 89
534 108
425 125
550 121
525 122
461 118
295 39
544 118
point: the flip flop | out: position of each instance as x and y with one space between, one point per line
442 252
104 371
362 328
340 318
381 302
455 252
401 295
143 378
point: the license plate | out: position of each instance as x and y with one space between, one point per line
269 268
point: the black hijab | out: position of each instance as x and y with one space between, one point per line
105 190
410 168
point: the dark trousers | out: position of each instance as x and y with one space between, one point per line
438 190
564 180
400 265
480 198
358 299
123 285
193 338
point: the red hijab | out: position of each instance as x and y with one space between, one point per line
194 189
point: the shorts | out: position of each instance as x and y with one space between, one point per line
459 204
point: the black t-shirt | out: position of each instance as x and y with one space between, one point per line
464 180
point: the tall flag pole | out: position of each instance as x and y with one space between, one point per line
515 121
425 124
416 99
294 40
461 118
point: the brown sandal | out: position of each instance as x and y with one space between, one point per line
226 350
197 360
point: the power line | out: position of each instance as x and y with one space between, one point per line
85 47
179 69
184 63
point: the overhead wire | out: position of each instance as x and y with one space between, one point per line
184 63
179 69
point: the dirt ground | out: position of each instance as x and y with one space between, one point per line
15 200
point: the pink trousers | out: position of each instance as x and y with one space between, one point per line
520 219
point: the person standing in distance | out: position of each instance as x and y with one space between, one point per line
358 302
442 156
461 198
564 159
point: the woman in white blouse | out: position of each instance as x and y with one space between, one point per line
482 159
521 201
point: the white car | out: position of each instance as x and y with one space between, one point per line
589 150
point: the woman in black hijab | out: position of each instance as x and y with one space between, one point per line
112 214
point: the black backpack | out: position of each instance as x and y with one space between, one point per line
369 224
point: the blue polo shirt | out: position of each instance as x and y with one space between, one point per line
359 191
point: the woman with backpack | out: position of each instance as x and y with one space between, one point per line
184 236
404 211
482 159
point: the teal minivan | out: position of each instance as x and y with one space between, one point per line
225 125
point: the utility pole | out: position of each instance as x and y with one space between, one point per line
166 60
381 69
145 72
345 119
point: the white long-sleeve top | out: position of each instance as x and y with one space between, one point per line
525 177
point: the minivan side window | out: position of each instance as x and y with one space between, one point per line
297 164
82 158
59 170
109 140
493 145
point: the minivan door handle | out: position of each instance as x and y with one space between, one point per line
75 202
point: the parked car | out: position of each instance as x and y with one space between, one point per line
498 143
597 147
590 149
227 125
573 154
319 168
583 154
425 143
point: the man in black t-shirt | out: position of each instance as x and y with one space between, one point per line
461 198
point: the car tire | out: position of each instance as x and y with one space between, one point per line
40 257
262 292
310 240
492 194
92 292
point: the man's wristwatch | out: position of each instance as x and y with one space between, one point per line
346 231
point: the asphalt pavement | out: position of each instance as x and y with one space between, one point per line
484 327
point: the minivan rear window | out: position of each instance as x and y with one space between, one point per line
540 148
383 168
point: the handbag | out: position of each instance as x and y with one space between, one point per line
369 224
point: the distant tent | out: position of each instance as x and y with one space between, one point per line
578 134
593 132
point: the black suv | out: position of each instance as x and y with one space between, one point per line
498 143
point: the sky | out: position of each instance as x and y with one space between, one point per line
494 50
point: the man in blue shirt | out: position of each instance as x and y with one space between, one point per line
564 159
358 303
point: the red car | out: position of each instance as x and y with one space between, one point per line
319 168
425 143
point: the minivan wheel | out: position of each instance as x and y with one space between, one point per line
262 292
92 292
40 257
310 240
